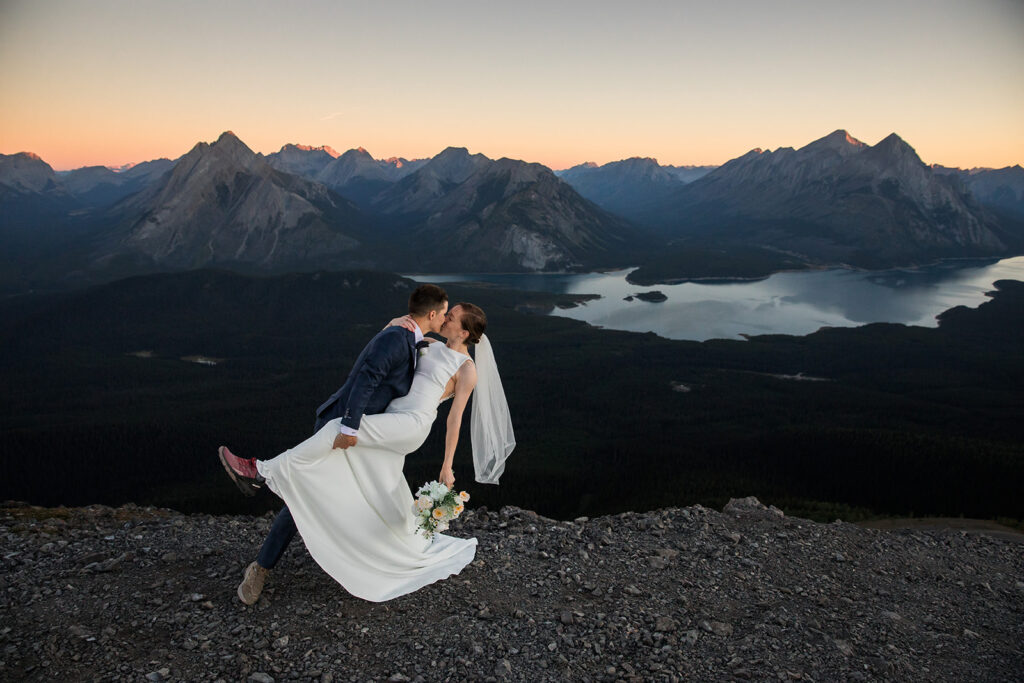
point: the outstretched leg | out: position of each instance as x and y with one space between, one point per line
282 531
241 470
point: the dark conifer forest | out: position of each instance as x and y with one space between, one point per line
109 397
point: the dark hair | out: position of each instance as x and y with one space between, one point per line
473 320
426 298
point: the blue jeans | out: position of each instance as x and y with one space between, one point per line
282 531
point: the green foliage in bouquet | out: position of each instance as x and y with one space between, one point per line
436 506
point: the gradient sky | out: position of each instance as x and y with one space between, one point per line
558 82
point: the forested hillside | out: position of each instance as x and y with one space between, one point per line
110 397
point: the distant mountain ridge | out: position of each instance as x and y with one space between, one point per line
354 173
628 186
836 200
222 204
466 211
998 188
833 201
301 159
26 172
519 213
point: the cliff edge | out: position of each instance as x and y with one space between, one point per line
684 593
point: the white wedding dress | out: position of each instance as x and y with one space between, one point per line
354 508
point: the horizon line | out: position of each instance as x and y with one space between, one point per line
556 167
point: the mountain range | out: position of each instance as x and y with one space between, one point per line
999 189
834 201
222 204
355 173
627 187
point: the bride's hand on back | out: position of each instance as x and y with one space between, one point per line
447 477
405 321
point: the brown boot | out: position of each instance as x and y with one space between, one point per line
252 585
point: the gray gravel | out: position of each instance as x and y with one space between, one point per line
147 594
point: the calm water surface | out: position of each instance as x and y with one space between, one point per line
784 303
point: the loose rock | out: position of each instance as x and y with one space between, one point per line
674 594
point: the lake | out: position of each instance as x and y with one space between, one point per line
784 303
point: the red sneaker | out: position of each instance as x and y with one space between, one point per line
241 470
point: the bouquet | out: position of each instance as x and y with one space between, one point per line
436 505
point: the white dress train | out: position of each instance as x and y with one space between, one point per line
353 507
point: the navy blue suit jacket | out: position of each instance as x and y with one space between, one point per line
382 372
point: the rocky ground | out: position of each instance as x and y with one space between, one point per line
148 594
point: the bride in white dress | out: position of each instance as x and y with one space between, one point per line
353 506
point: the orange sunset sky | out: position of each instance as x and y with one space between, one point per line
112 82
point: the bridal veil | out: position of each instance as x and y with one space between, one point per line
490 422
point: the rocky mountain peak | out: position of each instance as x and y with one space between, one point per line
223 203
401 163
26 172
895 147
228 137
354 163
226 150
640 162
635 169
302 160
359 153
452 154
585 166
306 147
454 164
838 140
892 156
20 156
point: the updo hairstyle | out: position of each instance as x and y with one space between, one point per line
473 320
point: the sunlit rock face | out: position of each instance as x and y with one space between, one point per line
224 204
26 172
302 160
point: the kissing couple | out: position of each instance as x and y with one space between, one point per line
344 488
